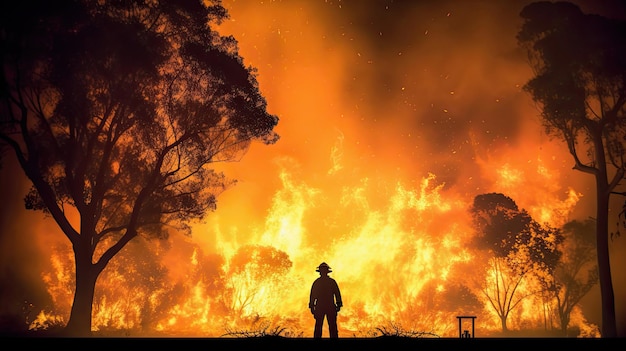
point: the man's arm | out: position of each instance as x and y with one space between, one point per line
312 298
339 301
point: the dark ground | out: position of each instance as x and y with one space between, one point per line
347 344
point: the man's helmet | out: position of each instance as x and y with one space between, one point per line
323 267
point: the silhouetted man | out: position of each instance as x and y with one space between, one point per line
325 302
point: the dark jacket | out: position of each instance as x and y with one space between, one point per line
325 295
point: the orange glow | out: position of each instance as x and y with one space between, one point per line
378 186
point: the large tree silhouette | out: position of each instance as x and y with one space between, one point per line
115 111
519 250
579 62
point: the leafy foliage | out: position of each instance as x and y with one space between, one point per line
508 231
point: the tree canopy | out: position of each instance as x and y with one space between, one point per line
505 229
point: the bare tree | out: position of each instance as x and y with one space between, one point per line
252 269
501 288
580 82
116 110
577 272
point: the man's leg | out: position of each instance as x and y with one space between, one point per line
319 321
332 325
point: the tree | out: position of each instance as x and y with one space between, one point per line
116 111
579 62
577 272
519 249
252 269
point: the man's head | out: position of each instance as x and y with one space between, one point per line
323 268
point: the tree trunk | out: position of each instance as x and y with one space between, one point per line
564 317
503 323
609 329
79 323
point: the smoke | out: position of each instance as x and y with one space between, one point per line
22 253
393 91
406 88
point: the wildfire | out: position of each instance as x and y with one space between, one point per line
387 208
399 254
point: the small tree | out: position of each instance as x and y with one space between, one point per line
577 272
520 249
115 111
580 81
254 268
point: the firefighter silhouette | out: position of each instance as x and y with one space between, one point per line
325 301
